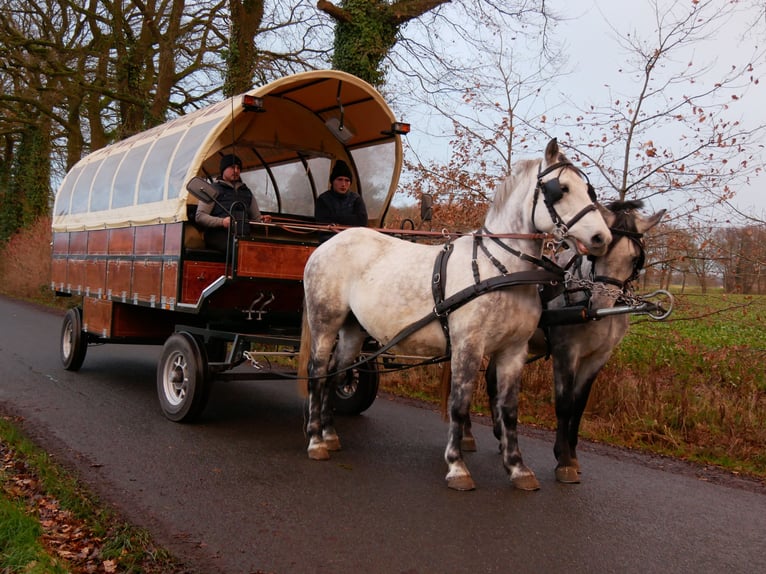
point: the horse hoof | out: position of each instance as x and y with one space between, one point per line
318 452
567 474
332 443
468 444
461 483
526 482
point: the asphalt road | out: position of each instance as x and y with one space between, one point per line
237 493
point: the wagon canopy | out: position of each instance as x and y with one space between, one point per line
288 136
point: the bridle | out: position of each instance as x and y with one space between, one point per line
577 282
553 192
638 240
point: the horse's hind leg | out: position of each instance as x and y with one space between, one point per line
350 341
321 348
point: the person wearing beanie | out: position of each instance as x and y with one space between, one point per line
234 198
339 205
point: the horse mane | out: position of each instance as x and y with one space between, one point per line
624 212
520 171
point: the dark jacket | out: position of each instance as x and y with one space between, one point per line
236 200
345 209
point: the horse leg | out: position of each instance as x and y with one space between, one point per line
490 377
317 370
350 340
508 371
464 370
468 442
564 384
321 340
582 392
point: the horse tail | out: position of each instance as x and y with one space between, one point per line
303 357
444 387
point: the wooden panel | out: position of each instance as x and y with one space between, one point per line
95 277
170 284
131 321
150 240
98 242
76 275
78 243
272 260
118 274
97 316
173 238
121 241
60 243
147 281
196 276
59 274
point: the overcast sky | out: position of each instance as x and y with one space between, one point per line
726 48
595 59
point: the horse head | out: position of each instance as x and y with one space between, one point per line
625 257
568 207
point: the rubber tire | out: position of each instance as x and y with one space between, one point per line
359 392
183 384
74 341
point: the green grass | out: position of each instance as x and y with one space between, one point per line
20 547
34 486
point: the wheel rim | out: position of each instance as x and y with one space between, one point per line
67 341
349 386
176 379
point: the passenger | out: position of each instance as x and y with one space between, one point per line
338 205
234 199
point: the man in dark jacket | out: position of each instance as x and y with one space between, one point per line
338 205
234 198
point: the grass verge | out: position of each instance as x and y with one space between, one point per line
51 524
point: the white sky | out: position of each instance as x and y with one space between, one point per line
726 48
595 59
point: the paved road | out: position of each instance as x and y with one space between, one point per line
237 493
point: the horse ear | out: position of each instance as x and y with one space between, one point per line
646 224
552 151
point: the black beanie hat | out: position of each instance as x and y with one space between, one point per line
229 160
340 170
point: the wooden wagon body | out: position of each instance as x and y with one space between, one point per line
125 240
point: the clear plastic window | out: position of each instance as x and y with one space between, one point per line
152 183
376 169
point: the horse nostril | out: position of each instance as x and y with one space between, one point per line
598 240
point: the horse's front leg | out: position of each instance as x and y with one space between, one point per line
468 442
508 372
463 377
564 389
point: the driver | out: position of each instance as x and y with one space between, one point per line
235 199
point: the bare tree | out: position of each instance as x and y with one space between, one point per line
677 136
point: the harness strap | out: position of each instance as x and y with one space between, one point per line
438 286
533 277
543 262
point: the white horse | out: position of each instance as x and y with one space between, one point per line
453 300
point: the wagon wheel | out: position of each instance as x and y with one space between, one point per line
74 341
183 384
356 393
